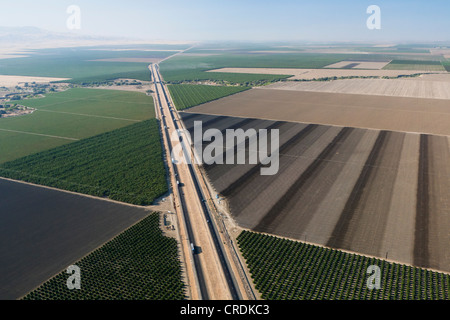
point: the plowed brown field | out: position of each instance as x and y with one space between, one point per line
381 193
430 116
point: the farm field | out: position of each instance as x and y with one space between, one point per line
354 110
446 64
415 65
141 74
186 96
414 87
151 264
124 165
312 74
42 231
193 67
68 116
199 75
354 64
368 191
244 59
289 270
256 65
12 81
81 64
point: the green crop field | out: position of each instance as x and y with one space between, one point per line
245 79
124 165
97 102
186 95
421 65
139 264
194 68
289 270
142 74
82 65
446 65
67 116
394 49
273 60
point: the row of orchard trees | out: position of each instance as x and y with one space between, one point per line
189 95
141 263
286 269
125 165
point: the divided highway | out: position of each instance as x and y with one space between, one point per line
212 268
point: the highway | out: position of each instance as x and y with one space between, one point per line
190 234
202 235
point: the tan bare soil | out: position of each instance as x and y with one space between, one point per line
9 56
145 60
413 87
398 240
359 64
438 221
133 49
354 110
378 193
12 81
310 74
444 77
363 220
440 52
199 54
17 112
275 51
144 87
320 227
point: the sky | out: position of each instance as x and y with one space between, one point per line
242 20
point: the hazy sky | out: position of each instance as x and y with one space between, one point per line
258 20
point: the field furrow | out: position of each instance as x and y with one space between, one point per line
264 198
439 203
320 227
398 240
284 205
295 133
367 226
302 207
342 226
422 205
380 193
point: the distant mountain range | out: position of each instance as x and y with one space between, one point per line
37 37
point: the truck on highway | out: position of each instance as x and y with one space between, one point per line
192 248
